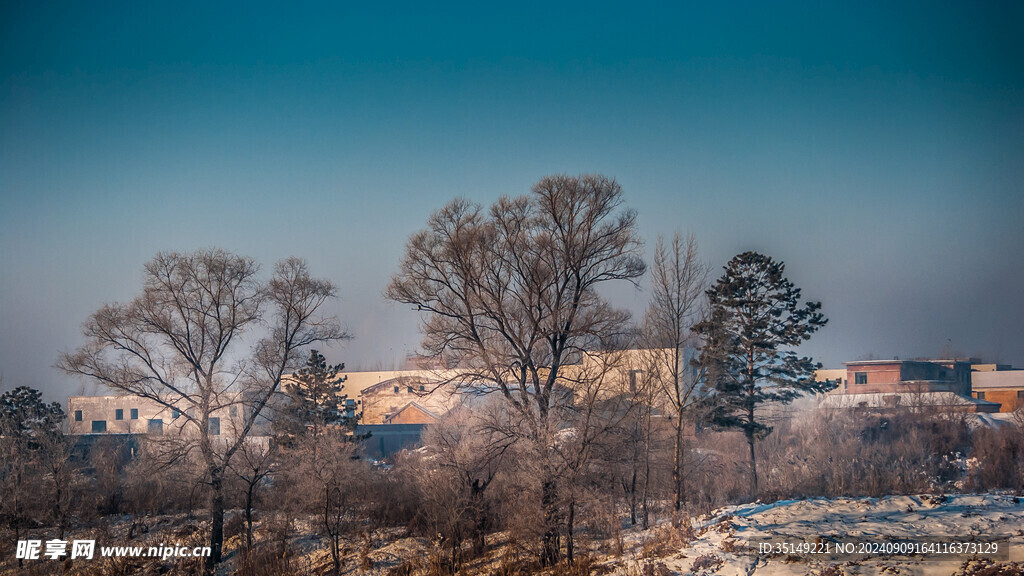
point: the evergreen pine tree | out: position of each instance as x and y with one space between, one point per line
315 401
754 323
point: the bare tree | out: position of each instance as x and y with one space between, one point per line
679 279
252 466
178 344
509 296
468 449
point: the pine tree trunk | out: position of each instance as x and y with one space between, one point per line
753 468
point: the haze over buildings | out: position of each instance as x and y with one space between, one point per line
877 150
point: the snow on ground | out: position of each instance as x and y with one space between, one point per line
723 543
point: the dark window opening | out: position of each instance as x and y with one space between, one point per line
981 395
860 377
156 427
99 425
214 426
175 414
633 378
396 389
410 390
119 414
423 388
1020 394
78 415
135 413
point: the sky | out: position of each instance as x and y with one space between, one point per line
876 148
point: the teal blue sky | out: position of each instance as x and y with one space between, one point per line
876 148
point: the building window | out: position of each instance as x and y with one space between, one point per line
633 378
99 426
135 413
175 414
423 388
119 414
396 389
78 415
214 426
410 390
860 377
981 395
1020 394
155 427
233 411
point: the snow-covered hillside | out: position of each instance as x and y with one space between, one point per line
728 542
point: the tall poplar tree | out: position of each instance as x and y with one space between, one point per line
748 340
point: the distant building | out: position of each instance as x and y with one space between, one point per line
890 376
1005 386
419 401
124 414
941 384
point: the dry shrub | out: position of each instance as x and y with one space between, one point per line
512 565
113 566
583 566
365 561
664 540
406 568
730 545
724 525
233 526
985 567
706 564
657 569
267 561
999 455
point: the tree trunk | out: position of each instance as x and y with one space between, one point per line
751 389
569 545
632 497
336 554
753 468
217 521
551 547
677 469
647 467
248 517
480 527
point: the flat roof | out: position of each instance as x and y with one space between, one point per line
1001 379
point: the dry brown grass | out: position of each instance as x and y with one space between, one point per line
665 540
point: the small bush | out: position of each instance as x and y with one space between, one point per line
707 564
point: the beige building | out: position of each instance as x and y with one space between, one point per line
1003 386
420 395
416 395
407 400
124 414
